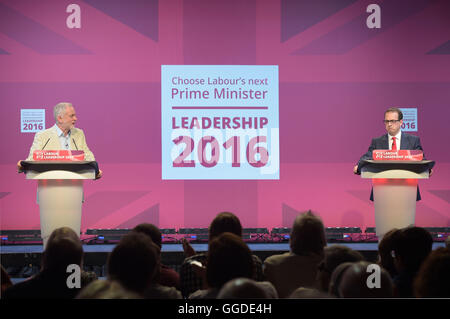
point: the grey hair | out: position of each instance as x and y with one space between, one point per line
60 108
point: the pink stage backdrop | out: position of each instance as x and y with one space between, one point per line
337 77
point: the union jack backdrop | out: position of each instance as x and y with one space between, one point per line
337 76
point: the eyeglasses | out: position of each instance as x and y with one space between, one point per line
390 121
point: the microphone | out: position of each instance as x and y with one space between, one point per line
46 143
75 143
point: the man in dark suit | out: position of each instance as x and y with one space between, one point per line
395 139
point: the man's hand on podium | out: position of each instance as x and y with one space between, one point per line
19 167
99 175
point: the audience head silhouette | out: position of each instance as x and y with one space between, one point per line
150 230
298 267
309 293
164 275
225 222
334 256
308 235
242 288
63 249
336 278
134 262
359 281
433 278
385 247
411 248
228 258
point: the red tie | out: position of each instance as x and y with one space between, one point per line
394 144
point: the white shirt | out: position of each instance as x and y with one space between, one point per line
397 140
64 140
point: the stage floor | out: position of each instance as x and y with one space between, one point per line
92 248
102 248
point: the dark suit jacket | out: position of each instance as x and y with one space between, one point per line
407 142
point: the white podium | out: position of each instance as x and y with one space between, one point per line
395 191
59 192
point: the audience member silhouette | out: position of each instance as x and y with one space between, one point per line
5 281
408 267
134 263
447 242
298 268
359 281
106 289
228 257
334 256
336 278
309 293
246 288
385 248
223 222
63 249
166 276
411 248
86 276
433 278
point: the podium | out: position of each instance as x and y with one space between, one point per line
59 192
394 191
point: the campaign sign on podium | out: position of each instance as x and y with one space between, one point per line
400 155
58 155
60 176
395 176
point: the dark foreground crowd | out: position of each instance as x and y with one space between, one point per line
407 267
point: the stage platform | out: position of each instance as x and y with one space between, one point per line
171 248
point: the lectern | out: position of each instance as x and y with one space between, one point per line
394 191
59 192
